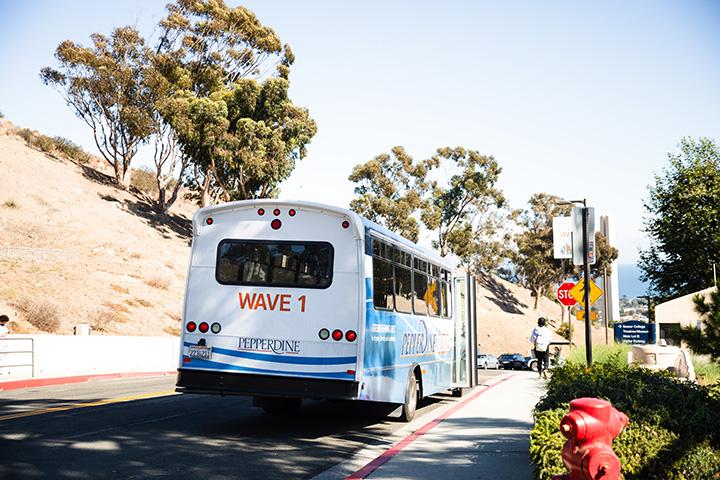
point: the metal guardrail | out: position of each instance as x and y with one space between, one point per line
38 254
17 358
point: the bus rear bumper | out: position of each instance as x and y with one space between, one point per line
228 383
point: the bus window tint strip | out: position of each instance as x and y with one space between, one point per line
275 263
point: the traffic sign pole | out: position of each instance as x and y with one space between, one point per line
586 272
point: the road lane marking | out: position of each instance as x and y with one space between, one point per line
98 403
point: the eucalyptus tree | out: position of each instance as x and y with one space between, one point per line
452 194
103 86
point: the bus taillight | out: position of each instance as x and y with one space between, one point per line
350 336
337 335
204 327
324 334
276 224
191 326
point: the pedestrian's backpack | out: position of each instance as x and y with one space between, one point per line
542 343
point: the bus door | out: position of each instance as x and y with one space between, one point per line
465 350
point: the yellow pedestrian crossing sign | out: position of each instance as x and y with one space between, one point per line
578 292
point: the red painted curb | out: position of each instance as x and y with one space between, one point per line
43 382
398 447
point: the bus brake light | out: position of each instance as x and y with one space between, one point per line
204 327
191 326
350 336
337 335
276 224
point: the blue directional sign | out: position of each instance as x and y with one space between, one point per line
634 332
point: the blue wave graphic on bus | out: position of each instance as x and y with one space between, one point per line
282 358
198 363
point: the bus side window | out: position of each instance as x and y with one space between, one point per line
383 284
421 290
433 297
403 289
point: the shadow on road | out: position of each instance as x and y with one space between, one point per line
188 436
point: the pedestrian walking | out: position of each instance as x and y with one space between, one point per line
540 338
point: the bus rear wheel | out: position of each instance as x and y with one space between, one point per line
277 405
411 399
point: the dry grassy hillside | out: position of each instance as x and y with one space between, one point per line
505 318
76 249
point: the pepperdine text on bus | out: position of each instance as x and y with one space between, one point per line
281 302
423 343
269 345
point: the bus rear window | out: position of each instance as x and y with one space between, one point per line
275 263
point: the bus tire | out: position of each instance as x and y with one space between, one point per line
411 399
278 406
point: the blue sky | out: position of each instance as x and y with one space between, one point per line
578 99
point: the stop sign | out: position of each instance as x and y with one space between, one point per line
563 294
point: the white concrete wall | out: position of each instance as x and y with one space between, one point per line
681 310
46 356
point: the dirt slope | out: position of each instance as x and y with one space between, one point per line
74 244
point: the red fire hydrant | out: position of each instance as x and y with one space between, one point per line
590 427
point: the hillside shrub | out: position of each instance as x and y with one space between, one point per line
674 429
57 145
144 180
71 150
42 314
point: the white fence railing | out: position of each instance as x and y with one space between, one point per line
38 254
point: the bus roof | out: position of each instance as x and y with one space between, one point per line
366 224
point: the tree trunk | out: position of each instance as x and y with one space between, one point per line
537 298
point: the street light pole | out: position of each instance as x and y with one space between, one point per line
586 274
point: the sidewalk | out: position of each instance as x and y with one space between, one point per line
484 436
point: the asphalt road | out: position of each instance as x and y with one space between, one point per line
137 428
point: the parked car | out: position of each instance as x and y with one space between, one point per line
512 361
486 360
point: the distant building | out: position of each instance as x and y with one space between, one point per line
677 312
610 286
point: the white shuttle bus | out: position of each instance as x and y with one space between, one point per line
292 300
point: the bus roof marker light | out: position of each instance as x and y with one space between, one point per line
209 220
345 224
261 211
324 334
276 224
204 327
215 327
337 335
350 336
291 212
276 212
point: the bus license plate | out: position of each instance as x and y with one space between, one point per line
200 351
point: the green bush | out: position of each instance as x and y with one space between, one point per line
674 429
